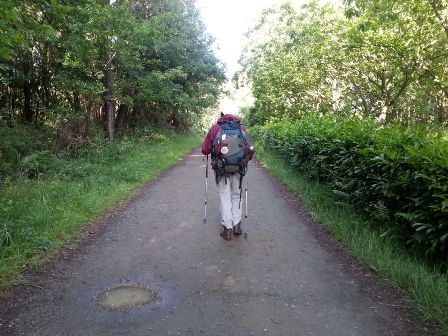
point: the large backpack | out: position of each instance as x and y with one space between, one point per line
229 148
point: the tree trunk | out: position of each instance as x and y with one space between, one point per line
122 116
108 102
27 93
76 101
46 95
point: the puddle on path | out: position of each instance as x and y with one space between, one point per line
125 297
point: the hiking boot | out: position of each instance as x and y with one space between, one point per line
226 234
237 229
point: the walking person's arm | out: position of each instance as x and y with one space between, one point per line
207 144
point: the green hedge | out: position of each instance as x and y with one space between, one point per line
396 175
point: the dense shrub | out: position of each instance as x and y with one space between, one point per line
23 149
396 175
32 152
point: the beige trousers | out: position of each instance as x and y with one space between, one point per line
230 200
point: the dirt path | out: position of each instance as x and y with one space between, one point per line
287 278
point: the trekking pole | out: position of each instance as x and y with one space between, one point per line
245 215
206 185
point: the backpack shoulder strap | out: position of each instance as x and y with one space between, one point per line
217 137
244 136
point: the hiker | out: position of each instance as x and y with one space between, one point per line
230 150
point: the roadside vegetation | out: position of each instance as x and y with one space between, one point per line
367 229
350 111
53 195
95 99
397 176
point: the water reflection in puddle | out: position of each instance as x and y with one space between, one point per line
125 297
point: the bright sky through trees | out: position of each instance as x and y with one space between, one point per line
227 21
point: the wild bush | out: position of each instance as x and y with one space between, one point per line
399 176
20 148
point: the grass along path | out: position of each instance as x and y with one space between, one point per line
39 216
427 289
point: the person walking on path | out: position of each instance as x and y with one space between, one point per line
230 150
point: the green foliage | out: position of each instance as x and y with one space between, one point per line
21 146
40 215
382 59
54 57
288 63
398 176
8 35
